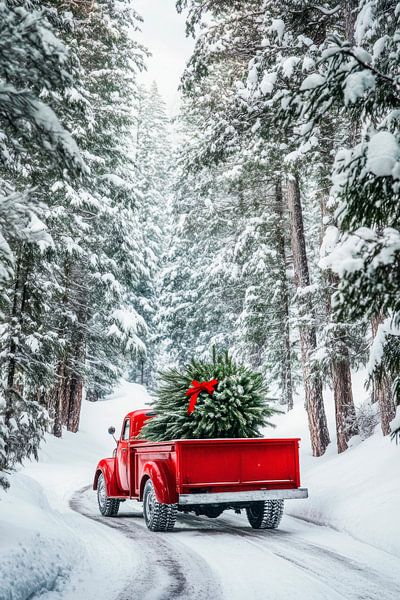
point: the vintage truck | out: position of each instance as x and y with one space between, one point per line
201 476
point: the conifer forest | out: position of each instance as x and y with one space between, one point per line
270 227
262 218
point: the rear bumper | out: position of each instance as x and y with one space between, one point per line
232 497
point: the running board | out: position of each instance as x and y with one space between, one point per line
228 497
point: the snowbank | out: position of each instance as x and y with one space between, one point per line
46 548
356 492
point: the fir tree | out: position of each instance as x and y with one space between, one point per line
30 131
248 120
153 172
237 407
358 75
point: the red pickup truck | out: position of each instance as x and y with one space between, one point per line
201 476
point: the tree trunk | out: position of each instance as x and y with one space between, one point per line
346 425
308 340
12 345
287 383
382 390
65 391
349 18
345 411
74 403
16 325
92 395
142 373
58 400
69 388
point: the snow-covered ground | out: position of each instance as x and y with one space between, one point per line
50 551
44 545
358 491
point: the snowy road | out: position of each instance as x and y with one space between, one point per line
225 558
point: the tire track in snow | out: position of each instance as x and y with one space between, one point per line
346 576
172 566
165 570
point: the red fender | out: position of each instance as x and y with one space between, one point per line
107 467
163 480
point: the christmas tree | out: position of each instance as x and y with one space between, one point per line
217 399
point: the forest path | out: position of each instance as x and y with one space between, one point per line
165 570
224 558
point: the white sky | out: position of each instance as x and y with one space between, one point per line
164 35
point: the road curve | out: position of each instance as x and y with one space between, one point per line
165 571
224 558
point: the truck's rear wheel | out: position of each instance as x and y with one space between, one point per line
266 514
108 506
158 516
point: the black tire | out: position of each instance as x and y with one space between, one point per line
108 506
265 515
212 512
157 516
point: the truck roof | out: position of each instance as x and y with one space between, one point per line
138 419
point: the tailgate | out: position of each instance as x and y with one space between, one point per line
237 465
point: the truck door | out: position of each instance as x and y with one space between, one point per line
123 456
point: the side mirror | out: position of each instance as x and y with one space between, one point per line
111 431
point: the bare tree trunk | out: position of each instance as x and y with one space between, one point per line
382 390
68 391
12 345
308 340
287 359
65 385
346 425
74 403
77 360
58 400
349 18
67 399
16 323
142 372
345 411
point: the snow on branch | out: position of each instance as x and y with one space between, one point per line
385 329
329 12
21 106
127 325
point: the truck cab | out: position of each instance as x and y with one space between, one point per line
131 428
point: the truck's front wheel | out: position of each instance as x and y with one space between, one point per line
108 506
265 515
158 516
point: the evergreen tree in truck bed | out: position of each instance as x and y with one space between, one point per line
217 399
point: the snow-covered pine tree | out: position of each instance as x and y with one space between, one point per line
34 64
233 405
241 30
262 308
153 172
102 329
74 290
262 330
358 75
299 47
196 309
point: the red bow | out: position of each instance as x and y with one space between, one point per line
195 391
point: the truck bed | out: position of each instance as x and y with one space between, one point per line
233 465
